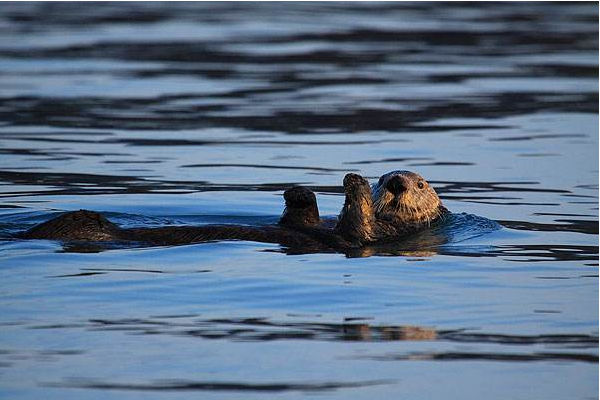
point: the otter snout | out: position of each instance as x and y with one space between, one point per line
397 185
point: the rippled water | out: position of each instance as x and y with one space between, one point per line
192 113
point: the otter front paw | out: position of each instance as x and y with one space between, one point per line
355 183
299 197
300 208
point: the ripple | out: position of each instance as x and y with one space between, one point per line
265 329
471 356
180 385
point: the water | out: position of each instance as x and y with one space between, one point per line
192 113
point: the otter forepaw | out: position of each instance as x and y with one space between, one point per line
299 197
300 208
353 182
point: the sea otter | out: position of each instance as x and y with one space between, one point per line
399 204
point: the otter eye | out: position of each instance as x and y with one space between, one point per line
420 185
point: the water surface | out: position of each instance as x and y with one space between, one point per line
193 113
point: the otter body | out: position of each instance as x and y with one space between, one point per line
84 225
399 204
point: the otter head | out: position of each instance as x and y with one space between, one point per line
405 198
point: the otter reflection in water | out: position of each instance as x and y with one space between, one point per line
399 205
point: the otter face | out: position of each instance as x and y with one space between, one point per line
404 197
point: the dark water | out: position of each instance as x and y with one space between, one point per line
190 113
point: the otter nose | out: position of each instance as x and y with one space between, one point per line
396 185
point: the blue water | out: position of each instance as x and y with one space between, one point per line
193 113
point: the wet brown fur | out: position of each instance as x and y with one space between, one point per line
367 217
